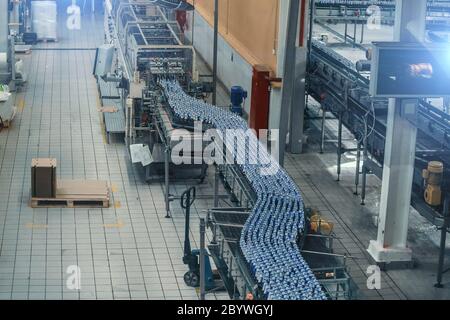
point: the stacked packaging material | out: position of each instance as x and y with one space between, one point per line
268 239
7 109
44 19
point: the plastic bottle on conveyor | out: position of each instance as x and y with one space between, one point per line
269 235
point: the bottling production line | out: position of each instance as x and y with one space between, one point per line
159 91
168 79
268 230
341 86
148 41
150 46
356 14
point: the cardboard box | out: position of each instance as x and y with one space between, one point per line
43 178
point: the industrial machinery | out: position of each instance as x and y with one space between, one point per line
342 87
433 180
356 14
316 247
159 91
155 88
342 90
238 96
257 243
148 45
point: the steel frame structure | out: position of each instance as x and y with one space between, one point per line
343 91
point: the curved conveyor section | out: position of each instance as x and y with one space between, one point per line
268 239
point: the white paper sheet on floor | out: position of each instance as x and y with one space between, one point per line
141 153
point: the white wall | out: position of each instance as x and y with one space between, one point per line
238 71
232 69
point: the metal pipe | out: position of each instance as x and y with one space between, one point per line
364 184
220 224
364 170
124 103
339 149
230 267
193 24
202 259
202 196
358 165
311 25
326 254
216 187
444 230
346 27
362 33
216 36
231 210
166 180
322 135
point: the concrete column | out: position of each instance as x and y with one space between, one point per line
298 104
275 95
391 243
296 107
287 92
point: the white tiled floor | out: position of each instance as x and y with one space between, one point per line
129 251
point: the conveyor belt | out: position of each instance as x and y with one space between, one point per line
269 237
431 5
110 96
335 83
115 122
230 224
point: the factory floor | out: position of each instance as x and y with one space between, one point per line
131 251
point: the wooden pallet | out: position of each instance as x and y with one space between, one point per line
76 194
